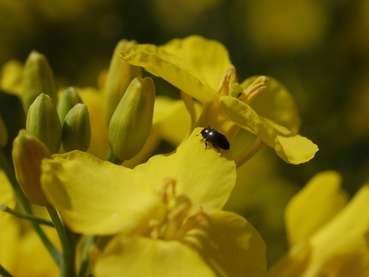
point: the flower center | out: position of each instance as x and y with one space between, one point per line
178 220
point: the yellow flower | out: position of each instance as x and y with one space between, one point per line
328 237
166 212
202 69
21 251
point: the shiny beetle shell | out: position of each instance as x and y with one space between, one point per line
216 138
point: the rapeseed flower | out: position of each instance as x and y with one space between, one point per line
328 235
167 208
201 69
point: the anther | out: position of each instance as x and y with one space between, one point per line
229 77
256 87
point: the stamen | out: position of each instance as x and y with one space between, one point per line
176 221
168 190
154 227
256 87
229 77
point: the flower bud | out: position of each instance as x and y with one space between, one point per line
76 133
131 122
3 133
68 99
27 154
120 74
37 78
43 122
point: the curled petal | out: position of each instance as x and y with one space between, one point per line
275 103
293 149
296 149
195 65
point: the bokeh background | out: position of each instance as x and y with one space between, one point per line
318 48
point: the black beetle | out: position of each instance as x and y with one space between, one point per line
216 138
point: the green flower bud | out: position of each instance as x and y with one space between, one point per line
120 74
37 78
3 133
67 100
43 122
76 129
27 154
131 122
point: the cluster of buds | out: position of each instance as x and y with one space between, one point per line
50 127
55 124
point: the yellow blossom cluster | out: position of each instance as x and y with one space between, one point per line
84 167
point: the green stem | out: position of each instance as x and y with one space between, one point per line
4 272
32 218
67 263
85 255
24 203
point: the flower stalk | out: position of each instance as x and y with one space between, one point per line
67 262
32 218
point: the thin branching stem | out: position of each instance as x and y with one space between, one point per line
32 218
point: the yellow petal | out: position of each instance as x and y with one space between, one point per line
204 175
233 247
195 65
341 247
296 149
9 229
94 196
99 131
208 59
137 256
32 257
275 103
293 149
171 119
320 200
9 242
